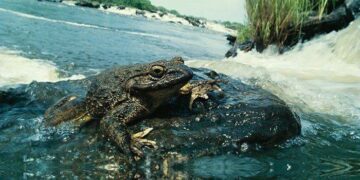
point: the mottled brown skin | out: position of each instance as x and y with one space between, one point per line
121 96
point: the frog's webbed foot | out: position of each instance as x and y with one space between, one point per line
138 141
200 89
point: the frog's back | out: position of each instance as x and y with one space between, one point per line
106 90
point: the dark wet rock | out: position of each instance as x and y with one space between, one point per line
353 6
231 39
161 14
195 21
90 4
232 52
140 12
11 96
336 20
106 6
244 46
121 7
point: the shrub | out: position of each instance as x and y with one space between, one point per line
140 4
244 33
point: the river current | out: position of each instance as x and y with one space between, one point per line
50 42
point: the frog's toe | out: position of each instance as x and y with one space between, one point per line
138 141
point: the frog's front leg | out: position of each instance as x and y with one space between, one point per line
114 126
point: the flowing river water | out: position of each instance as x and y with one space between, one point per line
319 79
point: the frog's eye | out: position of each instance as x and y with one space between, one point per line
157 71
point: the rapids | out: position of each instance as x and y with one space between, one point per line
321 75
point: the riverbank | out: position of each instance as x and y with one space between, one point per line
161 16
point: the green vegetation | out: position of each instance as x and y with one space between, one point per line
244 33
140 4
232 25
273 21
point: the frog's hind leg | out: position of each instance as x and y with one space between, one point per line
69 108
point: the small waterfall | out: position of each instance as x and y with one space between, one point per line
347 44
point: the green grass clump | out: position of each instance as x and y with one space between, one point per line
273 21
244 33
269 20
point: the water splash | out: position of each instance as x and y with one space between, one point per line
16 69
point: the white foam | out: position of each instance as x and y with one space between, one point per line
16 69
219 28
128 11
315 76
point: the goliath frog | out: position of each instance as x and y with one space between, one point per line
121 96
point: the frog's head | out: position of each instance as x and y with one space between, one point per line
159 80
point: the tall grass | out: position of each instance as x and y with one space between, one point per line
273 21
270 19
